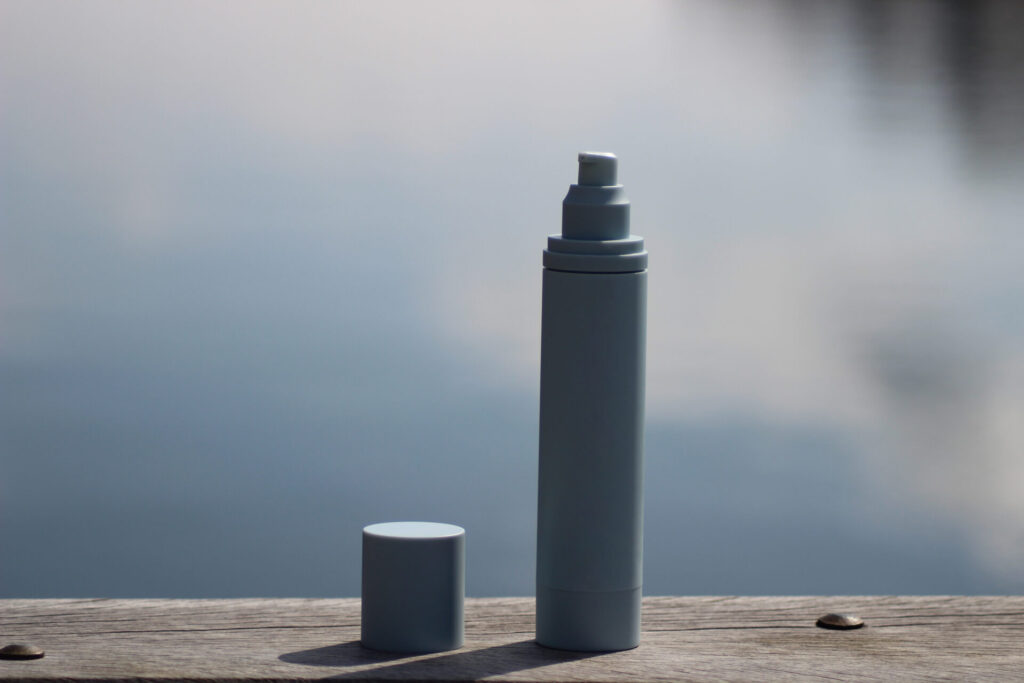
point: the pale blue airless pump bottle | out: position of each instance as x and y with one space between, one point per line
590 507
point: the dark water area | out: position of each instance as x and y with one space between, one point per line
271 272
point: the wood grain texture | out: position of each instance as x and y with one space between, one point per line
685 638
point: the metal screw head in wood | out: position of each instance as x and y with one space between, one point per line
840 622
20 651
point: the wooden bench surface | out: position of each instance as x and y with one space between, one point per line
685 638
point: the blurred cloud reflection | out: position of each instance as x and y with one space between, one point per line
270 272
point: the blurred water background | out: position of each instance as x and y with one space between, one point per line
270 272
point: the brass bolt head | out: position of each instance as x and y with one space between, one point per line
840 622
20 651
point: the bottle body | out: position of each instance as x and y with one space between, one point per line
590 498
590 502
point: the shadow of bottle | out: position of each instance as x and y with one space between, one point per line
464 664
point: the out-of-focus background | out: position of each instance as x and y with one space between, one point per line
270 271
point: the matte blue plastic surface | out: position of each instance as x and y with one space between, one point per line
413 586
590 498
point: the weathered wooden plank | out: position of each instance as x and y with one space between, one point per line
685 638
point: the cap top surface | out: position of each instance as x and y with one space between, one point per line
414 530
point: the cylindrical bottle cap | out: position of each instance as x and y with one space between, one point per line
413 586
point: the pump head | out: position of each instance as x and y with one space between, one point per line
597 168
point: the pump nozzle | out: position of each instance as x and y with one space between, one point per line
597 168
